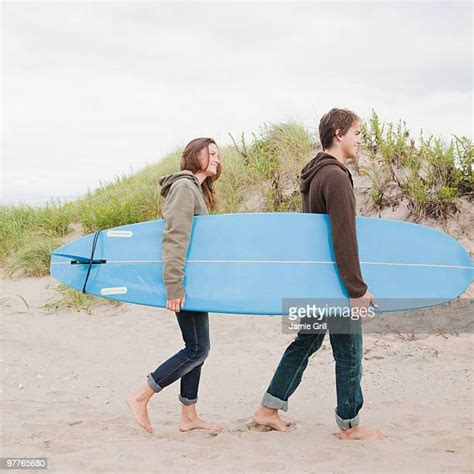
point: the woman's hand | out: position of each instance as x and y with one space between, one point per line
175 305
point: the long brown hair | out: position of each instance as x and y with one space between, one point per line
190 160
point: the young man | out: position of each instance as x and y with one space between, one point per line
327 188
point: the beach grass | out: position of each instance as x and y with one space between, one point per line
33 256
68 298
18 223
430 173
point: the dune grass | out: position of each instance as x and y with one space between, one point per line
128 199
19 224
68 298
33 256
429 173
273 161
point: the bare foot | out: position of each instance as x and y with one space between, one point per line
287 421
270 417
360 433
138 406
196 423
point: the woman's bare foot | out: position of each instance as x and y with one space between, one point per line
360 433
196 423
190 420
137 402
270 417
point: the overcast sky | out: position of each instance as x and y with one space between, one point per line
91 90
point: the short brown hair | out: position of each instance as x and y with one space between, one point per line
190 160
335 119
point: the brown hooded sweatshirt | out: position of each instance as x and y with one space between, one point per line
327 188
183 200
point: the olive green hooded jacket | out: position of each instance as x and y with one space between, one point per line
183 199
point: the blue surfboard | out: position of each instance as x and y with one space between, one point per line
249 263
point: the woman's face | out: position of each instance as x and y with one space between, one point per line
214 162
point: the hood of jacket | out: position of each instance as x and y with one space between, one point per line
167 181
310 169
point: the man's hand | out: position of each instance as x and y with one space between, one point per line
364 301
175 305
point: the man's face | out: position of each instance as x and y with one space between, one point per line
350 142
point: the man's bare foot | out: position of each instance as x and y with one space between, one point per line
137 403
270 417
196 423
287 421
360 433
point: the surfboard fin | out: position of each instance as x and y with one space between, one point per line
76 260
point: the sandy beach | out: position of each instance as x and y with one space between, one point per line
65 375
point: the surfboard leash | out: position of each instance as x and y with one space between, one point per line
91 260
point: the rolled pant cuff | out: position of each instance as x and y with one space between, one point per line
270 401
151 382
346 424
187 401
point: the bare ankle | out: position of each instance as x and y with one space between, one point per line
267 411
189 416
144 393
188 412
141 397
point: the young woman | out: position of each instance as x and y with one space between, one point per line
187 193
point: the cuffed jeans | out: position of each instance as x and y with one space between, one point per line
187 363
346 343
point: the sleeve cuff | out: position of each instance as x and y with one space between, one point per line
358 293
174 291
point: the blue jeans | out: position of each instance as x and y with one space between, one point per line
346 343
185 364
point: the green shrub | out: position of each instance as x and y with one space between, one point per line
464 160
431 176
